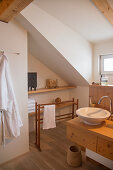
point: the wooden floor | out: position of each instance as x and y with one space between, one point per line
54 146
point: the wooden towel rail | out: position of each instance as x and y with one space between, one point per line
38 121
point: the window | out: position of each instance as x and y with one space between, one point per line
106 64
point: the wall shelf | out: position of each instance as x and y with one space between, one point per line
50 90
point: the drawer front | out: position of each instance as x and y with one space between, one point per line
105 148
83 138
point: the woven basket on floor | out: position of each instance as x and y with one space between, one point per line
74 157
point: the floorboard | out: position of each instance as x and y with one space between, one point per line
54 145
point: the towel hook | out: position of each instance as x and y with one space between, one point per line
1 52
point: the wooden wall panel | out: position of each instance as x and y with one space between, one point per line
96 92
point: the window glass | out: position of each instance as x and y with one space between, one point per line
108 64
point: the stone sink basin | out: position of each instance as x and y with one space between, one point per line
92 116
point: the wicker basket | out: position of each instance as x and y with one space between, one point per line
74 157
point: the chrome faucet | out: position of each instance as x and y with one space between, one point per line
109 100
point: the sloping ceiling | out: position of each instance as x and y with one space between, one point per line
59 35
49 55
79 15
71 45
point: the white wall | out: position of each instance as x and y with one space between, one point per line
81 93
74 47
43 73
102 48
13 38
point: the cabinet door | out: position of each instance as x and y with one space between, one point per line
82 138
105 148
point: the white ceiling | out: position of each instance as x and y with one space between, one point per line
81 16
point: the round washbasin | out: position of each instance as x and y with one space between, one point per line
92 116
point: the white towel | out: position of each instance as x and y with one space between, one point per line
31 110
32 104
31 99
49 117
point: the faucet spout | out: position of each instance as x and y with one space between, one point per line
109 100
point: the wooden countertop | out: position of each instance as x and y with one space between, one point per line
105 130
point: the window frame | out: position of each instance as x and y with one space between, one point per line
102 57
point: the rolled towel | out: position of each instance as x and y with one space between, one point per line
31 105
30 101
31 110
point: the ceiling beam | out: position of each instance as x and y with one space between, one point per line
105 8
10 8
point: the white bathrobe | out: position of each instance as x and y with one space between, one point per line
10 121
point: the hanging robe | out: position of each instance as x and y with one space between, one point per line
10 121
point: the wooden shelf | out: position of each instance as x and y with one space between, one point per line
50 90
